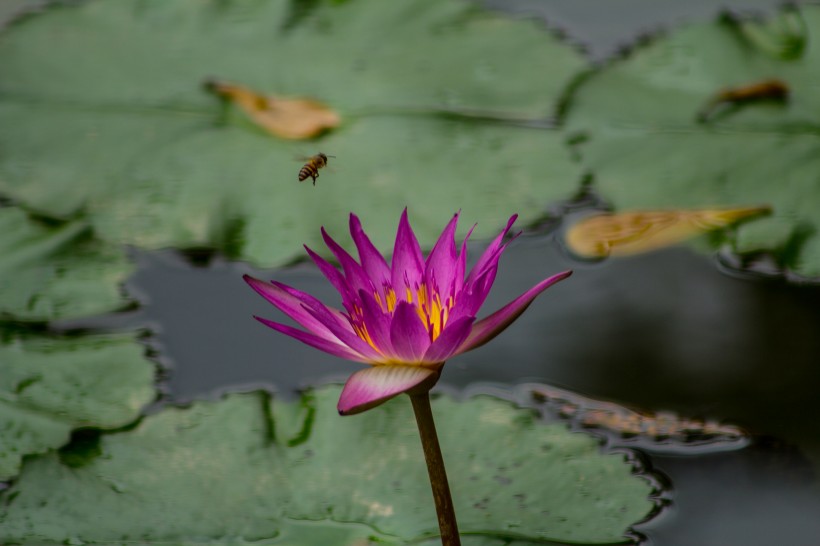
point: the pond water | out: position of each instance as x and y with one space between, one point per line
662 331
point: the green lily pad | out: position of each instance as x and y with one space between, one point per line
50 386
50 272
102 110
649 150
245 469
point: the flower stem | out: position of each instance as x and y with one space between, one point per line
435 467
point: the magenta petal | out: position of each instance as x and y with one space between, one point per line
408 334
377 323
334 276
372 261
449 341
461 264
493 252
440 267
356 278
344 332
290 304
370 387
489 327
333 347
408 265
471 298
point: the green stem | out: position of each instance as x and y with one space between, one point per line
435 467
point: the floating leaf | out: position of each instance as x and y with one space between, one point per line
784 36
648 152
102 110
295 119
627 233
50 272
50 386
243 470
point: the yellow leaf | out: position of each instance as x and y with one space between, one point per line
289 118
635 232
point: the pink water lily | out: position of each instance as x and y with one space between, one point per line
405 319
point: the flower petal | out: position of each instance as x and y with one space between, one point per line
441 265
471 298
407 265
449 341
332 347
354 274
334 276
377 323
289 304
371 259
370 387
491 254
343 330
408 334
489 327
461 264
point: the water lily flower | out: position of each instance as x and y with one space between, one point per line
405 319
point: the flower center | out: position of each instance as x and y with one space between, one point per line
432 312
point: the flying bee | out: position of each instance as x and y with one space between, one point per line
312 166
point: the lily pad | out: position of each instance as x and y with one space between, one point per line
648 150
102 109
245 469
50 386
50 272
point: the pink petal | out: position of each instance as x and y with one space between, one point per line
333 347
489 327
461 264
377 323
408 334
344 332
471 298
372 261
370 387
334 276
354 274
449 341
289 304
441 264
492 253
408 265
306 299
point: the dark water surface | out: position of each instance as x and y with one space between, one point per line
663 331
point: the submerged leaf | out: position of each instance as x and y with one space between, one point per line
230 469
289 118
653 431
634 232
50 386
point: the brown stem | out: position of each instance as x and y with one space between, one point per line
435 468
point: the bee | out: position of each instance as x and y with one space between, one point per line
312 166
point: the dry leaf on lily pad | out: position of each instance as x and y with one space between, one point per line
634 232
731 98
289 118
